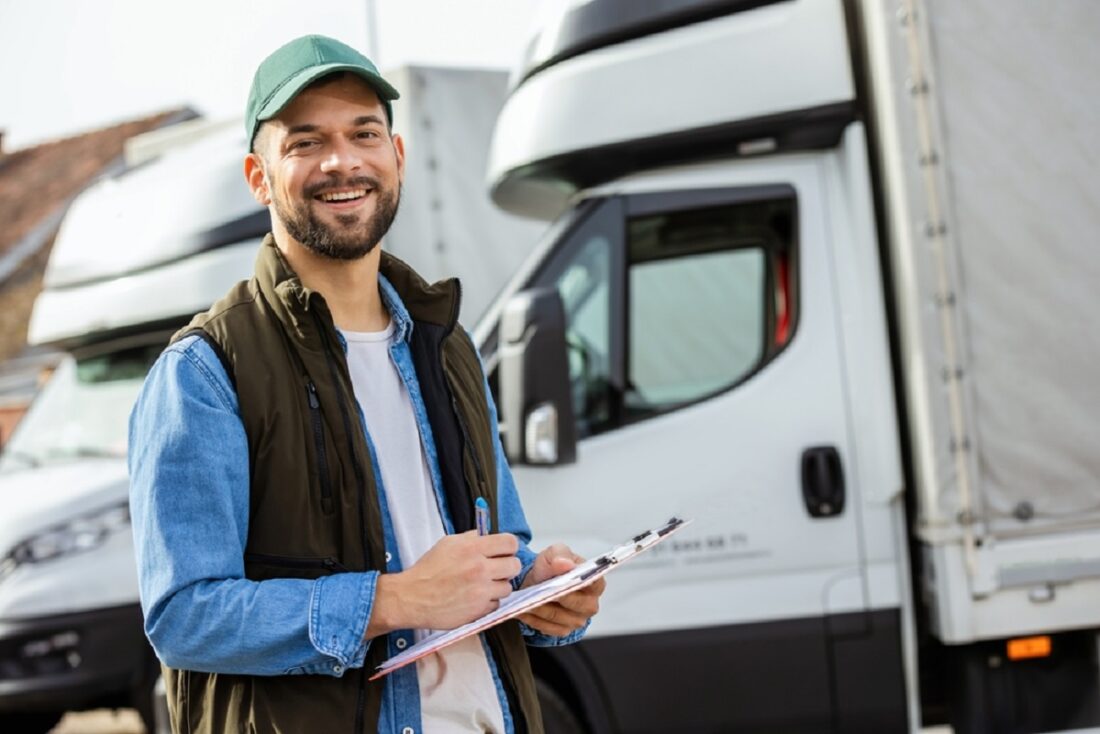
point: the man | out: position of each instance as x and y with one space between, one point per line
306 455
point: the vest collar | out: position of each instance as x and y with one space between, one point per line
407 296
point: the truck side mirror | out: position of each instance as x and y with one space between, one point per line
536 397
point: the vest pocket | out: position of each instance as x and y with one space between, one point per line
318 428
262 566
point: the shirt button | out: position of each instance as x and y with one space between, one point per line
408 730
401 646
337 669
389 556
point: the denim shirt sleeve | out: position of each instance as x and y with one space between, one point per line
189 498
512 520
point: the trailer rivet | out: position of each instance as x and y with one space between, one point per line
931 229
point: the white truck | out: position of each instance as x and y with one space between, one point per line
823 278
137 255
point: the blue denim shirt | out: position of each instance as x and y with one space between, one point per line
189 498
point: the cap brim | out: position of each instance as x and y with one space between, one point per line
290 89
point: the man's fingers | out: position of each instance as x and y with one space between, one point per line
555 613
504 567
584 603
560 565
500 590
546 628
498 544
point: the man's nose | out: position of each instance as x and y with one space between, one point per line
341 157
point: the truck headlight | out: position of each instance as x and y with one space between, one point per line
75 536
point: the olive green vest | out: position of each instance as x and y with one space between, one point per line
314 506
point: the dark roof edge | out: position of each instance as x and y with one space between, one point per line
602 23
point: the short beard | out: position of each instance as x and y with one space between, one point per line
351 242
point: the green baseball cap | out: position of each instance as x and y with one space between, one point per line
296 65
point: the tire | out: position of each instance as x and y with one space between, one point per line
29 722
557 716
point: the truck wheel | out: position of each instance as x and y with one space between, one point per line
144 697
557 717
29 722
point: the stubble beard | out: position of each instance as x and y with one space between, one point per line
353 238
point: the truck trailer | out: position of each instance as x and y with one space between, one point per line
822 277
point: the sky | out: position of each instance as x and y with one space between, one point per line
67 66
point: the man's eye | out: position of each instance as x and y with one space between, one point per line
367 134
301 144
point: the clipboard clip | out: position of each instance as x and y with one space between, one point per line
600 563
637 544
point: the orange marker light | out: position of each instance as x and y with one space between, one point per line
1023 648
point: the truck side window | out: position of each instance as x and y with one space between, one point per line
707 301
586 294
672 298
587 271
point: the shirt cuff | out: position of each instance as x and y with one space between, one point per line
339 612
526 558
534 638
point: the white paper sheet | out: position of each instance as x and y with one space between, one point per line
523 600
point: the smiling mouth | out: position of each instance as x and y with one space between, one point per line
342 196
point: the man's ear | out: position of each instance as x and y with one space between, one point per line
257 179
399 151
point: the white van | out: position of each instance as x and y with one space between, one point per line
134 255
822 278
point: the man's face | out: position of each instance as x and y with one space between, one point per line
331 169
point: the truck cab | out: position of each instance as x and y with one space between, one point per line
708 336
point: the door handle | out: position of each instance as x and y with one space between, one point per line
822 481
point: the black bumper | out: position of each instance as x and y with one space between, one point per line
73 661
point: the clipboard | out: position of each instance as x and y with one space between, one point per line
523 600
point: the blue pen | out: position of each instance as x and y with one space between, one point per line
481 513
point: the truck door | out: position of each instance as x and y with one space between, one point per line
708 383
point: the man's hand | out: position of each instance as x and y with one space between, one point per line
570 612
460 579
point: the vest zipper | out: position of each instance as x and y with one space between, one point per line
293 562
330 359
319 441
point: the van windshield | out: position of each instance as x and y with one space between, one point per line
83 411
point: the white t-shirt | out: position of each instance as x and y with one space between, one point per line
457 693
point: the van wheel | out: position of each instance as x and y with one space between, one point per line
29 722
557 717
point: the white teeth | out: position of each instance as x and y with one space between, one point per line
344 195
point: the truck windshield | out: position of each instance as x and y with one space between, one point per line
82 411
